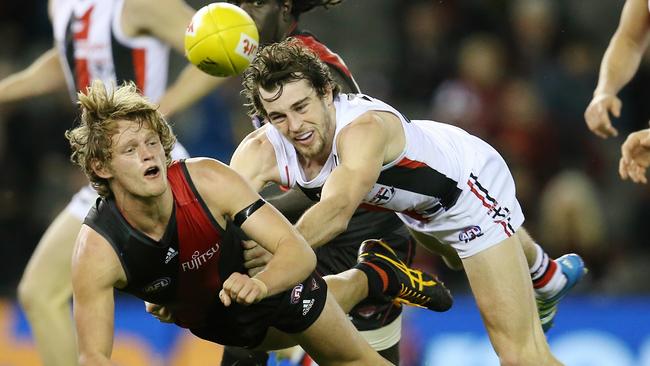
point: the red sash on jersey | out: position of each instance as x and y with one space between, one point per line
199 244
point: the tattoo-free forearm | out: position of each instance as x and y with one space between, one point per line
620 63
324 221
43 76
299 258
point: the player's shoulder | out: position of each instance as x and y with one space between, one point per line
256 142
205 169
92 245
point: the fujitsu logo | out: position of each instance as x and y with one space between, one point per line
199 259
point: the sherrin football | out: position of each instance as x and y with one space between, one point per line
221 39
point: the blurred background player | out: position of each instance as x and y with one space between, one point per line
619 64
103 40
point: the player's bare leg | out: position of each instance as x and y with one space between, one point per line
348 288
322 340
500 281
552 278
45 291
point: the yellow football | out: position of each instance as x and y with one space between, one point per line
221 39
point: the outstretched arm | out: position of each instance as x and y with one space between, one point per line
95 270
349 182
43 76
167 21
619 64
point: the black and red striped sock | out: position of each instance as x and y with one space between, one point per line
382 280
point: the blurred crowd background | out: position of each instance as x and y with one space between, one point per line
518 73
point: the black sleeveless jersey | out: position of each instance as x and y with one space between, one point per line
185 269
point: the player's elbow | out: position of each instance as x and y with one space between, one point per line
308 262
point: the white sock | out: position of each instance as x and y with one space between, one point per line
546 274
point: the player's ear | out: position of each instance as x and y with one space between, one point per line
329 95
101 170
287 6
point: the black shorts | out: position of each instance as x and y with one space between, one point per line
290 311
340 254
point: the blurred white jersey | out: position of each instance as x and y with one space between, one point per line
92 45
438 185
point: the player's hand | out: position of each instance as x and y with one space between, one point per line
160 312
635 157
255 257
242 289
598 112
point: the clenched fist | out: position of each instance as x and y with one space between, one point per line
242 289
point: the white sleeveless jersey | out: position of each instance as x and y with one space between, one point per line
423 182
92 45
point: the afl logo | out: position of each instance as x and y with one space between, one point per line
296 293
157 285
470 233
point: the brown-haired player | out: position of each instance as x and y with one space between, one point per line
452 189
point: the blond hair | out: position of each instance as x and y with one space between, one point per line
101 108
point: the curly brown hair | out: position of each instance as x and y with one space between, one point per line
101 108
280 63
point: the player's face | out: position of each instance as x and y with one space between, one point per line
304 118
138 164
267 15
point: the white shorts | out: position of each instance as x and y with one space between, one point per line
487 211
83 200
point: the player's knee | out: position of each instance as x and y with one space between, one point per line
27 297
31 296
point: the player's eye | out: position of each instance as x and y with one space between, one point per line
277 119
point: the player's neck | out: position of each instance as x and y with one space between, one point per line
149 215
287 28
